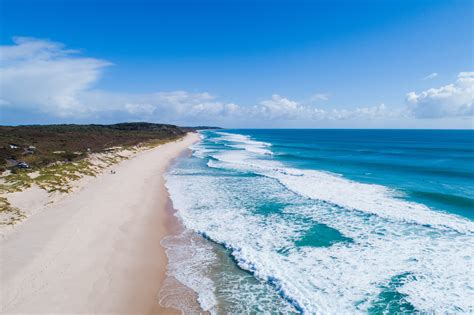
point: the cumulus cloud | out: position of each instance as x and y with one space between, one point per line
165 106
28 48
44 76
39 73
451 100
431 76
279 107
376 112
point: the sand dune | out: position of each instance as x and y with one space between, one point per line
97 250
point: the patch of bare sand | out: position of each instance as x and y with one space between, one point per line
98 249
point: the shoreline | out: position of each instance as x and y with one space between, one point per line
97 250
173 294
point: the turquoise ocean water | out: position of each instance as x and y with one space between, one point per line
326 221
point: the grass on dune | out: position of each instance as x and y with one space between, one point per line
9 215
57 177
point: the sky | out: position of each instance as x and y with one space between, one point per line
239 64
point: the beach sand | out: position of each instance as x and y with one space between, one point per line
98 249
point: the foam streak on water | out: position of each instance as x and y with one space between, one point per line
323 243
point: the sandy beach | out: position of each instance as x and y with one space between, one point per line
98 249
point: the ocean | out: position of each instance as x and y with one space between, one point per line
326 221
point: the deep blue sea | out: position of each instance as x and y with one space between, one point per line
326 221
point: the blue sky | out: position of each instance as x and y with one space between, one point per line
330 64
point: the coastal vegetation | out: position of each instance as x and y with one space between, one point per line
41 145
9 215
53 157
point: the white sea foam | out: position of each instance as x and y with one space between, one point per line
245 142
440 263
196 214
391 236
240 139
190 259
333 188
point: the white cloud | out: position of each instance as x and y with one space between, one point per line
463 75
451 100
319 97
378 112
281 108
38 73
28 48
165 106
431 76
278 107
43 76
140 109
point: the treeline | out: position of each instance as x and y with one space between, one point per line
39 145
